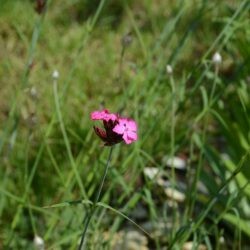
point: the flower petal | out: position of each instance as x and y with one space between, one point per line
131 125
112 117
119 129
103 115
132 135
127 139
99 115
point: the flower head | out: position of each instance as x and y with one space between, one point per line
116 128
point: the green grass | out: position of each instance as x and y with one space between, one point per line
51 160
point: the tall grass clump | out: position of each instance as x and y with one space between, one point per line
180 69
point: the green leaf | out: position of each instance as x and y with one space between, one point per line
123 215
243 224
70 203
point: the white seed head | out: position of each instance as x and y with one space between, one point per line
55 74
169 69
217 59
38 243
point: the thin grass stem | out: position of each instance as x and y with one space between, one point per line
89 215
66 140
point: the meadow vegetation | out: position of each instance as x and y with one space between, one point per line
114 54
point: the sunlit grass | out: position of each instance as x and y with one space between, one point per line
49 154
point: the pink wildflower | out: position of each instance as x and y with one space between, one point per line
127 128
116 129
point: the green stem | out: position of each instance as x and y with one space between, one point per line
204 135
66 139
172 135
89 215
214 84
172 139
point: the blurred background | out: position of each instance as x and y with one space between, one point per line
180 69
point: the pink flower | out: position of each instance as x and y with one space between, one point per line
116 129
127 128
103 115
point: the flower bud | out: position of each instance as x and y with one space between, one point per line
55 74
38 243
217 59
126 40
169 69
